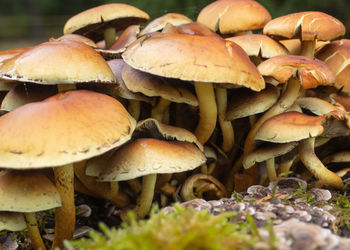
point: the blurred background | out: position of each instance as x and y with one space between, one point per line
28 22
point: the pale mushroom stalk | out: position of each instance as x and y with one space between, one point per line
316 167
33 231
226 126
134 108
285 166
144 201
308 48
109 36
64 215
270 167
207 111
160 108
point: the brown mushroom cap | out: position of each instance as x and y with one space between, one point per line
58 63
316 105
289 127
148 156
22 191
12 221
309 25
231 16
194 58
160 22
92 22
259 45
65 128
337 56
75 37
195 28
311 72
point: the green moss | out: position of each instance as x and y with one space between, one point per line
182 229
341 211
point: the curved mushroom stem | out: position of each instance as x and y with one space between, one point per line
64 215
134 109
114 187
226 126
145 199
160 108
285 166
271 171
316 167
207 111
109 36
308 48
135 185
33 231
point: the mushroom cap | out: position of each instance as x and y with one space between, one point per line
194 28
289 127
259 45
343 156
311 72
7 54
22 191
342 100
308 25
75 37
160 22
231 16
245 102
151 85
337 56
92 22
57 63
194 58
12 221
65 128
316 105
267 152
149 156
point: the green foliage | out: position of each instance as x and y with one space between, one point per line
341 210
182 229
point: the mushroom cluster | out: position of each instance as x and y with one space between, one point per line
170 111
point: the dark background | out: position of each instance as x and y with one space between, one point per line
26 22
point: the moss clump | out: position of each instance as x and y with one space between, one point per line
341 211
182 229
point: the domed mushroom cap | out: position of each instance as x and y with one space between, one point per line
92 22
160 22
148 156
27 192
256 45
65 128
309 25
337 56
194 58
289 127
75 37
230 16
12 221
311 72
7 54
58 63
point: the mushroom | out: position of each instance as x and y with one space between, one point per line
63 129
104 21
75 37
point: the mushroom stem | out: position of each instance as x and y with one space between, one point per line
270 167
285 166
135 186
207 111
315 166
160 108
33 231
308 48
226 126
134 109
109 36
64 215
114 187
145 199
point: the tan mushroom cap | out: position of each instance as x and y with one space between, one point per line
7 54
344 101
65 128
267 152
12 221
160 22
337 56
194 28
149 156
245 102
58 63
27 192
259 45
309 25
152 86
343 156
316 105
194 58
289 127
92 22
311 72
231 16
75 37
